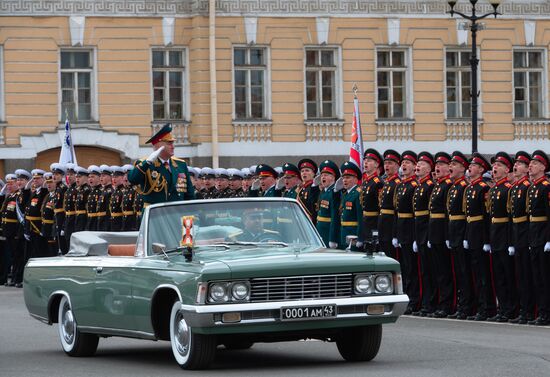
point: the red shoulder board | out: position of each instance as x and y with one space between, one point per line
414 183
358 189
376 179
429 181
545 183
448 181
526 183
482 184
397 180
462 183
507 184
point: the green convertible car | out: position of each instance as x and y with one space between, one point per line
201 274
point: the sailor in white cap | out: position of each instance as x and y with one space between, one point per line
222 183
48 216
129 218
10 225
94 173
69 203
82 194
22 200
38 246
103 213
115 204
235 183
208 177
247 180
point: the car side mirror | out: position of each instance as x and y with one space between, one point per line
158 248
351 240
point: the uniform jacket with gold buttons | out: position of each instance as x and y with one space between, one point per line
438 231
498 211
539 212
455 212
517 206
404 207
476 199
387 219
421 202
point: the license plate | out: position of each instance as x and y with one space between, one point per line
308 312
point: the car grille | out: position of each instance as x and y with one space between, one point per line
301 288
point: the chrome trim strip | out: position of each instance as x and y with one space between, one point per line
117 332
167 286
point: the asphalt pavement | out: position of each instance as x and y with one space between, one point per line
411 347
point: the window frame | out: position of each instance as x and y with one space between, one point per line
266 89
544 83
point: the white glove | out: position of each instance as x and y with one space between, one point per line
153 156
359 244
28 185
395 242
465 244
280 184
333 245
448 243
429 244
547 247
415 247
487 248
3 191
316 181
255 185
27 237
338 185
511 251
62 233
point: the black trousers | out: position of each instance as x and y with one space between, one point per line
411 280
388 249
6 259
463 273
19 256
440 257
505 283
540 263
38 246
428 279
482 276
525 282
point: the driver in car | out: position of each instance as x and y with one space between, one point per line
253 228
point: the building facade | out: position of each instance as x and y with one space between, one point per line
283 82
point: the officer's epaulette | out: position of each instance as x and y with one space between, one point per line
482 184
179 159
545 183
376 179
358 189
397 180
414 183
507 184
448 181
430 182
463 183
526 183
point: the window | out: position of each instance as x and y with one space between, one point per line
76 85
528 84
391 80
250 70
321 83
168 84
458 84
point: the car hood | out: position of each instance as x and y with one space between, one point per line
271 262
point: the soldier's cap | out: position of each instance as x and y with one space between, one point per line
57 168
541 157
410 156
253 169
127 167
48 177
164 134
478 159
117 170
330 167
307 163
221 173
291 170
460 158
392 155
10 177
37 173
279 170
197 172
192 171
22 173
373 154
505 159
79 170
235 174
522 156
207 173
70 166
264 170
349 168
427 157
443 157
106 169
246 172
94 169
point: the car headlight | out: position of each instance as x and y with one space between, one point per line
363 285
383 284
218 292
240 291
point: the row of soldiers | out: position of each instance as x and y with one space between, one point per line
40 211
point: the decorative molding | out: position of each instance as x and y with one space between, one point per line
323 27
168 26
180 131
252 130
395 129
532 129
77 25
461 129
393 31
276 8
323 130
251 27
461 33
530 28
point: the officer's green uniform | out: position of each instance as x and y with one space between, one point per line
351 217
290 193
328 219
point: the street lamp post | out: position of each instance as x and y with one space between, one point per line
474 61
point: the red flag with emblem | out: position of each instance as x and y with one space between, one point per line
356 150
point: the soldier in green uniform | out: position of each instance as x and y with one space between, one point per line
291 179
328 221
351 212
161 177
94 173
267 180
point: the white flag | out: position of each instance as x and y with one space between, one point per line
67 154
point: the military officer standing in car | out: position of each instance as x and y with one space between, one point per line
370 192
328 219
387 218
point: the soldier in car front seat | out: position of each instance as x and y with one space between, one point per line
253 228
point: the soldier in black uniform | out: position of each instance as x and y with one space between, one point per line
129 222
235 183
370 192
247 180
8 216
438 236
477 242
307 192
48 216
539 233
520 238
94 173
58 171
222 183
405 230
21 253
38 245
69 203
387 220
103 212
208 177
421 198
457 232
115 203
82 194
500 236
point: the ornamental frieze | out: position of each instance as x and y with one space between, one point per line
186 8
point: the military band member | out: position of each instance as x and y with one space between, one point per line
370 192
115 203
421 198
235 183
539 233
477 243
102 209
457 234
387 219
161 177
307 192
291 179
351 212
82 195
438 237
10 224
38 246
520 237
222 183
500 236
328 219
58 171
69 203
48 217
129 222
94 174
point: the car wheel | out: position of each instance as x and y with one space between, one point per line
191 351
74 342
360 343
238 345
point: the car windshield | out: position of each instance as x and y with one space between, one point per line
242 223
